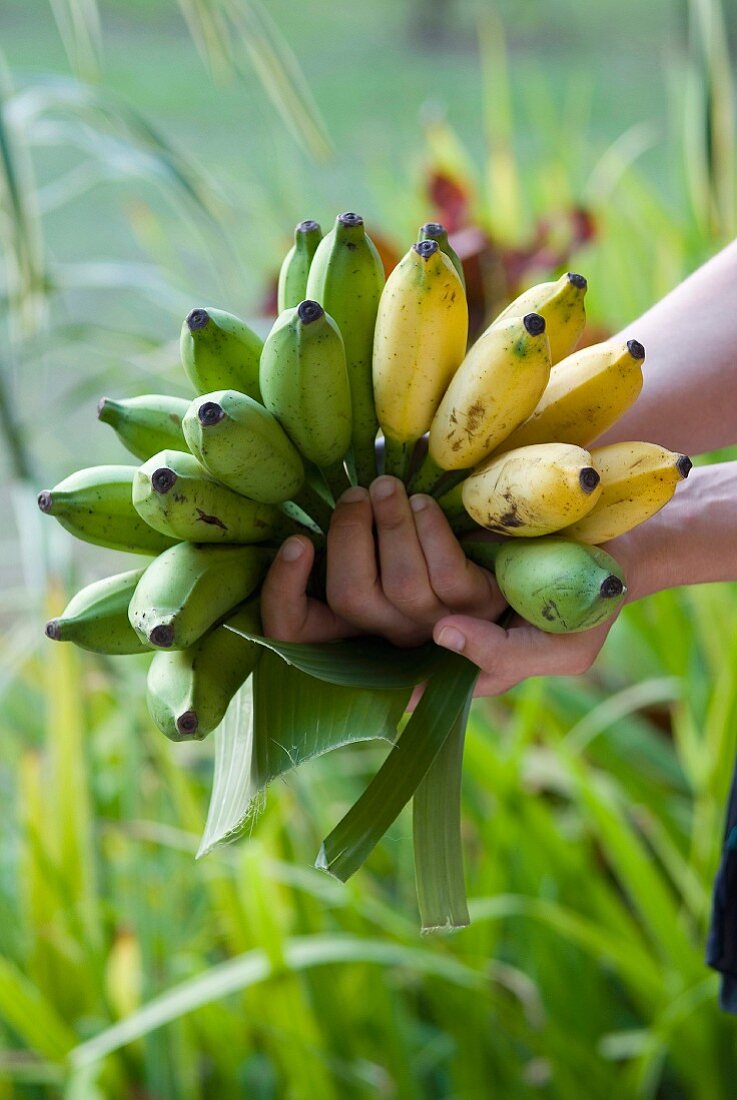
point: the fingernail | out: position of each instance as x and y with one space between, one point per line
353 496
382 488
450 638
292 549
418 503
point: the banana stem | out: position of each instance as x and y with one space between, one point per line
452 503
314 506
397 457
452 479
427 477
364 461
336 477
483 553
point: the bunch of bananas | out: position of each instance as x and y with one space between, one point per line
279 428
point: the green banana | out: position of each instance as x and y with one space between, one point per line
146 424
434 231
346 278
174 494
189 690
97 617
96 505
219 351
292 286
241 444
559 586
189 588
304 383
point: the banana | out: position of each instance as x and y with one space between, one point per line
97 617
188 690
175 495
242 445
532 490
346 278
292 286
586 394
420 340
148 424
189 588
637 480
304 383
219 351
561 303
95 504
559 586
496 387
434 231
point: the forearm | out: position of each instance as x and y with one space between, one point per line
689 397
693 540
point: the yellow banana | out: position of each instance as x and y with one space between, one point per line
420 340
586 394
532 490
561 303
637 480
495 388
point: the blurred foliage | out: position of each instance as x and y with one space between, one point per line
592 807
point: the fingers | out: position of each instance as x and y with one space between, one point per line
460 585
287 614
508 656
405 580
354 589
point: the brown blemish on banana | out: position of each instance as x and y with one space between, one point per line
214 521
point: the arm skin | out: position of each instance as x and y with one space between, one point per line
423 585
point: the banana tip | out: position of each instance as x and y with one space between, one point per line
163 479
432 230
636 349
684 465
45 500
187 723
309 311
611 586
53 630
577 280
162 636
350 219
102 407
425 249
197 319
309 225
588 479
534 323
210 413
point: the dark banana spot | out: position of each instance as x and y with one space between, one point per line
45 500
534 323
636 349
214 521
684 465
307 226
53 630
162 636
588 479
549 611
432 230
577 280
163 480
187 723
611 586
210 413
511 519
197 319
426 249
350 219
309 311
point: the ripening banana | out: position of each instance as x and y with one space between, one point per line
560 586
219 351
434 231
188 690
421 334
495 388
174 494
586 394
304 383
241 444
346 278
96 618
532 490
95 504
292 286
637 480
147 424
189 588
561 303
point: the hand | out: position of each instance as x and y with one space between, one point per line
420 577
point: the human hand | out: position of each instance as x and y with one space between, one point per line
397 584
